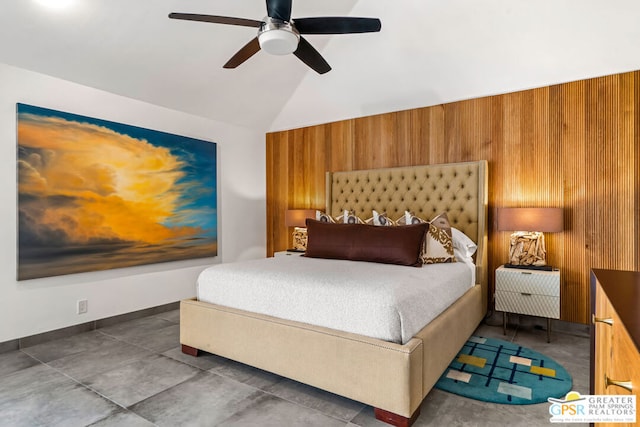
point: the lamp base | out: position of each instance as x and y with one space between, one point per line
529 267
300 239
527 249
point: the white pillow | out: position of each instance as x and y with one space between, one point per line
462 257
463 243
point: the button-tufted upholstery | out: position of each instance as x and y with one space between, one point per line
426 191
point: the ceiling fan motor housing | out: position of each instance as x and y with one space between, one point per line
278 37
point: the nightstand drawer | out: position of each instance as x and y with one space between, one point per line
536 283
526 303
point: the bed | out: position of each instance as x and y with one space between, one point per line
393 377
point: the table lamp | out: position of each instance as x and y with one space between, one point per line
296 218
527 248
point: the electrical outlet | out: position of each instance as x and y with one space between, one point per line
83 306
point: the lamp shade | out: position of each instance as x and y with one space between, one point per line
297 217
547 220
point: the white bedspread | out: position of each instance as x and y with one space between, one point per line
382 301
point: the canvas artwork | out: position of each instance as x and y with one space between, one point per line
96 195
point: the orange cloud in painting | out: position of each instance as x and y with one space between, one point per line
105 179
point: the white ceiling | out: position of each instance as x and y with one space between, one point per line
428 52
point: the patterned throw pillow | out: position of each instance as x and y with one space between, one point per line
348 217
381 219
438 243
323 217
408 218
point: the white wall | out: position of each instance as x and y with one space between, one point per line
39 305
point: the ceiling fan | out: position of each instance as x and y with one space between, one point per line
278 34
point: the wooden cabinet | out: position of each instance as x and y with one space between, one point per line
615 333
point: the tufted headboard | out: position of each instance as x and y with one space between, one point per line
460 189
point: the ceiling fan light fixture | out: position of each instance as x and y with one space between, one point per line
278 42
278 37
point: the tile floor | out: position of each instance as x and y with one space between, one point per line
133 374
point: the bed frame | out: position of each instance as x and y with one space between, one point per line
392 378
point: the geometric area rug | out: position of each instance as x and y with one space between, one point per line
502 372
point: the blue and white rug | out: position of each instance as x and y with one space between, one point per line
498 371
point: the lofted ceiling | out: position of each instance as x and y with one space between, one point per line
428 52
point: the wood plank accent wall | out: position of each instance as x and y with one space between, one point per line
573 145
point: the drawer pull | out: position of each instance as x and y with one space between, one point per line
607 320
627 385
525 294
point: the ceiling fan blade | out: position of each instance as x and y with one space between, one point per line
310 56
243 54
216 19
337 25
279 9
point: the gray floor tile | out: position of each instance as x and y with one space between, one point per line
141 379
106 357
245 374
227 368
204 361
136 328
171 316
159 340
15 361
176 389
453 410
311 397
271 411
30 380
366 418
123 419
204 400
57 349
48 398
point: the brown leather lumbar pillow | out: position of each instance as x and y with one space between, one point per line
362 242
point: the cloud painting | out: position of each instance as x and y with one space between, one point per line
96 195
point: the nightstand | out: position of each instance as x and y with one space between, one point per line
530 292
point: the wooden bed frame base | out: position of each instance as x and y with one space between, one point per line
191 351
395 419
380 414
